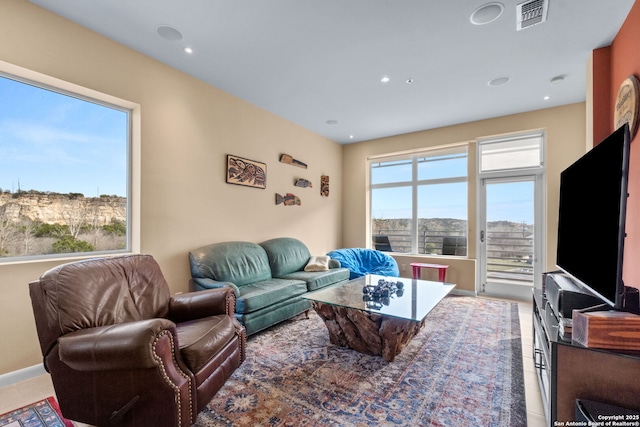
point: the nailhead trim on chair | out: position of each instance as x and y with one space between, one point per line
243 343
231 304
166 377
231 308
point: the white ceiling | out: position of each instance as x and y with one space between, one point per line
319 61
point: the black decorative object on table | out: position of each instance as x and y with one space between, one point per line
377 296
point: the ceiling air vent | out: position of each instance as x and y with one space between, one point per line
531 13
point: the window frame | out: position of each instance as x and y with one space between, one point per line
415 183
47 82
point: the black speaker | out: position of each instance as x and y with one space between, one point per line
591 411
632 299
565 295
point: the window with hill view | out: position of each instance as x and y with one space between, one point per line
64 172
419 201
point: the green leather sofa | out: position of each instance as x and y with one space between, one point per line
268 278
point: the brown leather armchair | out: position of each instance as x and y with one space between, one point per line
122 351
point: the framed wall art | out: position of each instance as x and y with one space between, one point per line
250 173
628 105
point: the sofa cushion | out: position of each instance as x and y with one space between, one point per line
240 263
286 255
276 313
203 338
320 279
267 292
317 263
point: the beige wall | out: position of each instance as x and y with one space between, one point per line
188 128
565 142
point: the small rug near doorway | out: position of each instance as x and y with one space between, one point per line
44 413
463 369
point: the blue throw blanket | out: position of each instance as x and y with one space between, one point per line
360 262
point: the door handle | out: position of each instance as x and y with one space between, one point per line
481 236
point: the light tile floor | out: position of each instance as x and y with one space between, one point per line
535 411
34 389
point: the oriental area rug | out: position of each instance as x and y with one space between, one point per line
44 413
463 369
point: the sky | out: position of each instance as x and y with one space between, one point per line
506 201
512 201
57 143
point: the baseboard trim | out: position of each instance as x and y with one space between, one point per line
21 375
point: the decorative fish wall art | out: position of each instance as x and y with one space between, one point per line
304 183
285 158
288 199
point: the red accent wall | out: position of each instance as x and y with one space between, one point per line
624 60
602 108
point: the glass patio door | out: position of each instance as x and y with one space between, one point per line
510 236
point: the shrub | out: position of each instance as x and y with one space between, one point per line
68 244
117 228
51 230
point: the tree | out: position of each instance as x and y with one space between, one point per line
75 215
9 233
28 236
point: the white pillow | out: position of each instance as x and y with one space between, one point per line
318 263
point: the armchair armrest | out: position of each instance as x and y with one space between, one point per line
196 305
120 346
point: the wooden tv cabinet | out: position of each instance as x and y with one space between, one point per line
568 371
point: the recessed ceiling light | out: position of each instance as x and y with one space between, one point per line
350 136
332 122
486 13
169 33
499 81
547 97
385 79
409 81
188 49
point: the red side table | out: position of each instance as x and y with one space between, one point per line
418 266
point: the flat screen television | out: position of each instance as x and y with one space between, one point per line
591 222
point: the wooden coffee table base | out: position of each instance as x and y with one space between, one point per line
367 333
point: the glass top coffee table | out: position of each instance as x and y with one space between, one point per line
377 322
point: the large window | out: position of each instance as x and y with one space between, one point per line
65 172
419 202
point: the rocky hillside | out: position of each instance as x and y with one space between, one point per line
52 208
